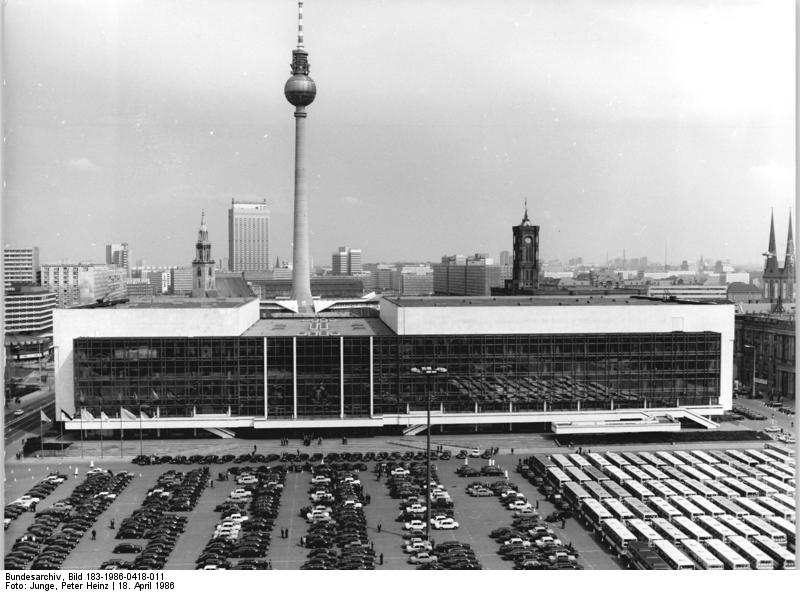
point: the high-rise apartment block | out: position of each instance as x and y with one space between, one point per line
457 275
83 283
346 261
248 236
117 254
20 266
181 281
29 309
160 280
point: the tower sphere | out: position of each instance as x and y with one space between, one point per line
300 90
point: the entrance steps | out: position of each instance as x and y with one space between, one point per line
413 430
221 432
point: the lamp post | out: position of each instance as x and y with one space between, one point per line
753 388
429 373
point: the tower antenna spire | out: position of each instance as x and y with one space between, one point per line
300 25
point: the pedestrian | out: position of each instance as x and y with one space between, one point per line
371 545
381 558
212 483
512 452
537 504
563 522
379 526
94 535
111 524
254 450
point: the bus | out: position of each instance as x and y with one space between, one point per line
594 512
661 489
761 487
640 509
766 529
643 531
596 490
674 473
579 461
701 556
752 554
633 458
722 489
668 530
786 527
785 452
753 508
663 508
617 459
556 477
577 474
694 531
700 488
711 471
694 473
720 456
574 493
741 457
777 508
617 474
716 528
596 474
617 535
687 457
618 509
673 557
669 459
638 490
597 460
652 459
780 556
641 556
758 455
616 490
786 500
705 457
654 472
730 558
637 473
777 486
540 463
774 454
738 526
561 461
776 473
741 487
748 470
730 471
708 507
679 486
730 507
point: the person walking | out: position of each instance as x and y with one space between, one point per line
94 535
379 526
380 558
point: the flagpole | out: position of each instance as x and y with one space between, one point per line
101 432
141 444
41 435
120 432
81 432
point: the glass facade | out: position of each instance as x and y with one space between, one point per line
335 375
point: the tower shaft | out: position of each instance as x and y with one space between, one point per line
301 276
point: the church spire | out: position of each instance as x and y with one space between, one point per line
771 263
788 262
525 219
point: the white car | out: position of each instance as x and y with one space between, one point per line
416 546
517 541
475 452
519 505
423 557
352 503
321 496
247 480
444 524
416 508
400 471
320 479
95 471
238 494
55 478
19 412
237 518
414 525
772 429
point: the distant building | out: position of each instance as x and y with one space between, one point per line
248 236
160 280
730 277
203 285
181 281
385 278
525 274
20 266
346 261
415 280
327 287
684 292
83 283
29 309
764 349
741 292
138 288
474 277
117 254
505 258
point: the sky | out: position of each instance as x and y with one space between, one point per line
635 126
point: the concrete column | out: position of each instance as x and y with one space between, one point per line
266 384
301 275
341 377
294 377
371 381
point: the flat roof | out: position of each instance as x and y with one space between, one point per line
560 300
317 327
173 303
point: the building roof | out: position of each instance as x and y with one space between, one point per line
172 302
233 287
560 300
318 327
742 288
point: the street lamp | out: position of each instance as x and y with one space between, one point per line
429 373
753 393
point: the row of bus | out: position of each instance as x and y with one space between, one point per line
713 509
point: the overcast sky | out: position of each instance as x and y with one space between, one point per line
626 125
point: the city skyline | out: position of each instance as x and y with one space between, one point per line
659 113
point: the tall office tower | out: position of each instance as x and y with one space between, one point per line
300 91
181 281
117 254
248 236
525 273
20 266
346 261
505 258
203 284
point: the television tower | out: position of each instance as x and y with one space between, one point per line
300 91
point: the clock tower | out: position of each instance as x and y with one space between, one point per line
525 273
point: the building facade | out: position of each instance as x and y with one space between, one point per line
765 355
29 309
346 261
248 236
117 254
525 275
181 281
83 283
474 277
20 266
